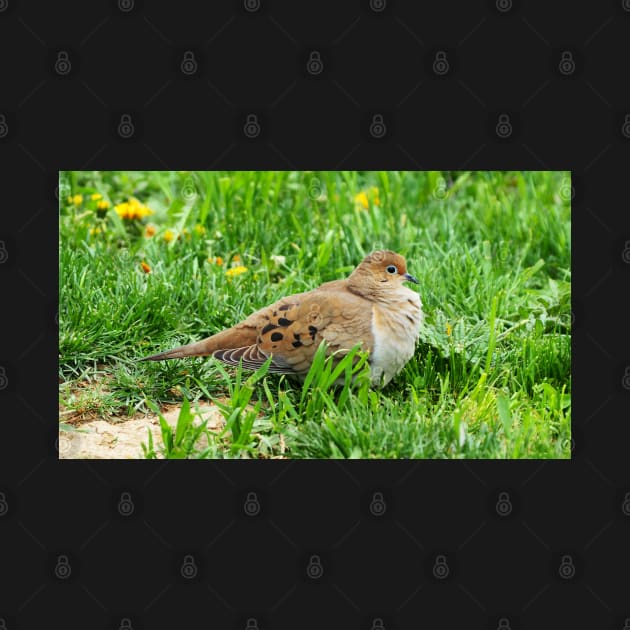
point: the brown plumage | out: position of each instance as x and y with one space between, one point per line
371 307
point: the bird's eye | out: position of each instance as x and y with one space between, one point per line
391 269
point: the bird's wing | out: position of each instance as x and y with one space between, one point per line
292 329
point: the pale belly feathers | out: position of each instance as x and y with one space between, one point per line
396 328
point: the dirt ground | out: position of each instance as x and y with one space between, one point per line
100 439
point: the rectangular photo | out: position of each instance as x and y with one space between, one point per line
315 315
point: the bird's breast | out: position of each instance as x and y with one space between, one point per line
396 328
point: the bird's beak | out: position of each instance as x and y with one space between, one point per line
409 277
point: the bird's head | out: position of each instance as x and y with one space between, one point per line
379 274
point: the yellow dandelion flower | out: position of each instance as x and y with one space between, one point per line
374 195
365 197
145 267
236 271
122 210
143 211
96 196
103 204
449 329
138 210
132 209
169 235
77 200
95 230
236 258
361 200
199 229
149 231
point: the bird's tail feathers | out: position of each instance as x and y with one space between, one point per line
197 349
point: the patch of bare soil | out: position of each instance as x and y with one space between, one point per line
99 439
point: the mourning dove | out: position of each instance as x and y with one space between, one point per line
371 307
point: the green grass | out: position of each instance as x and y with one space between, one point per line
491 377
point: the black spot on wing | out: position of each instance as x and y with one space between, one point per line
267 328
312 331
284 307
277 336
296 344
283 321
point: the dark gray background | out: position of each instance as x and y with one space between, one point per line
314 76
